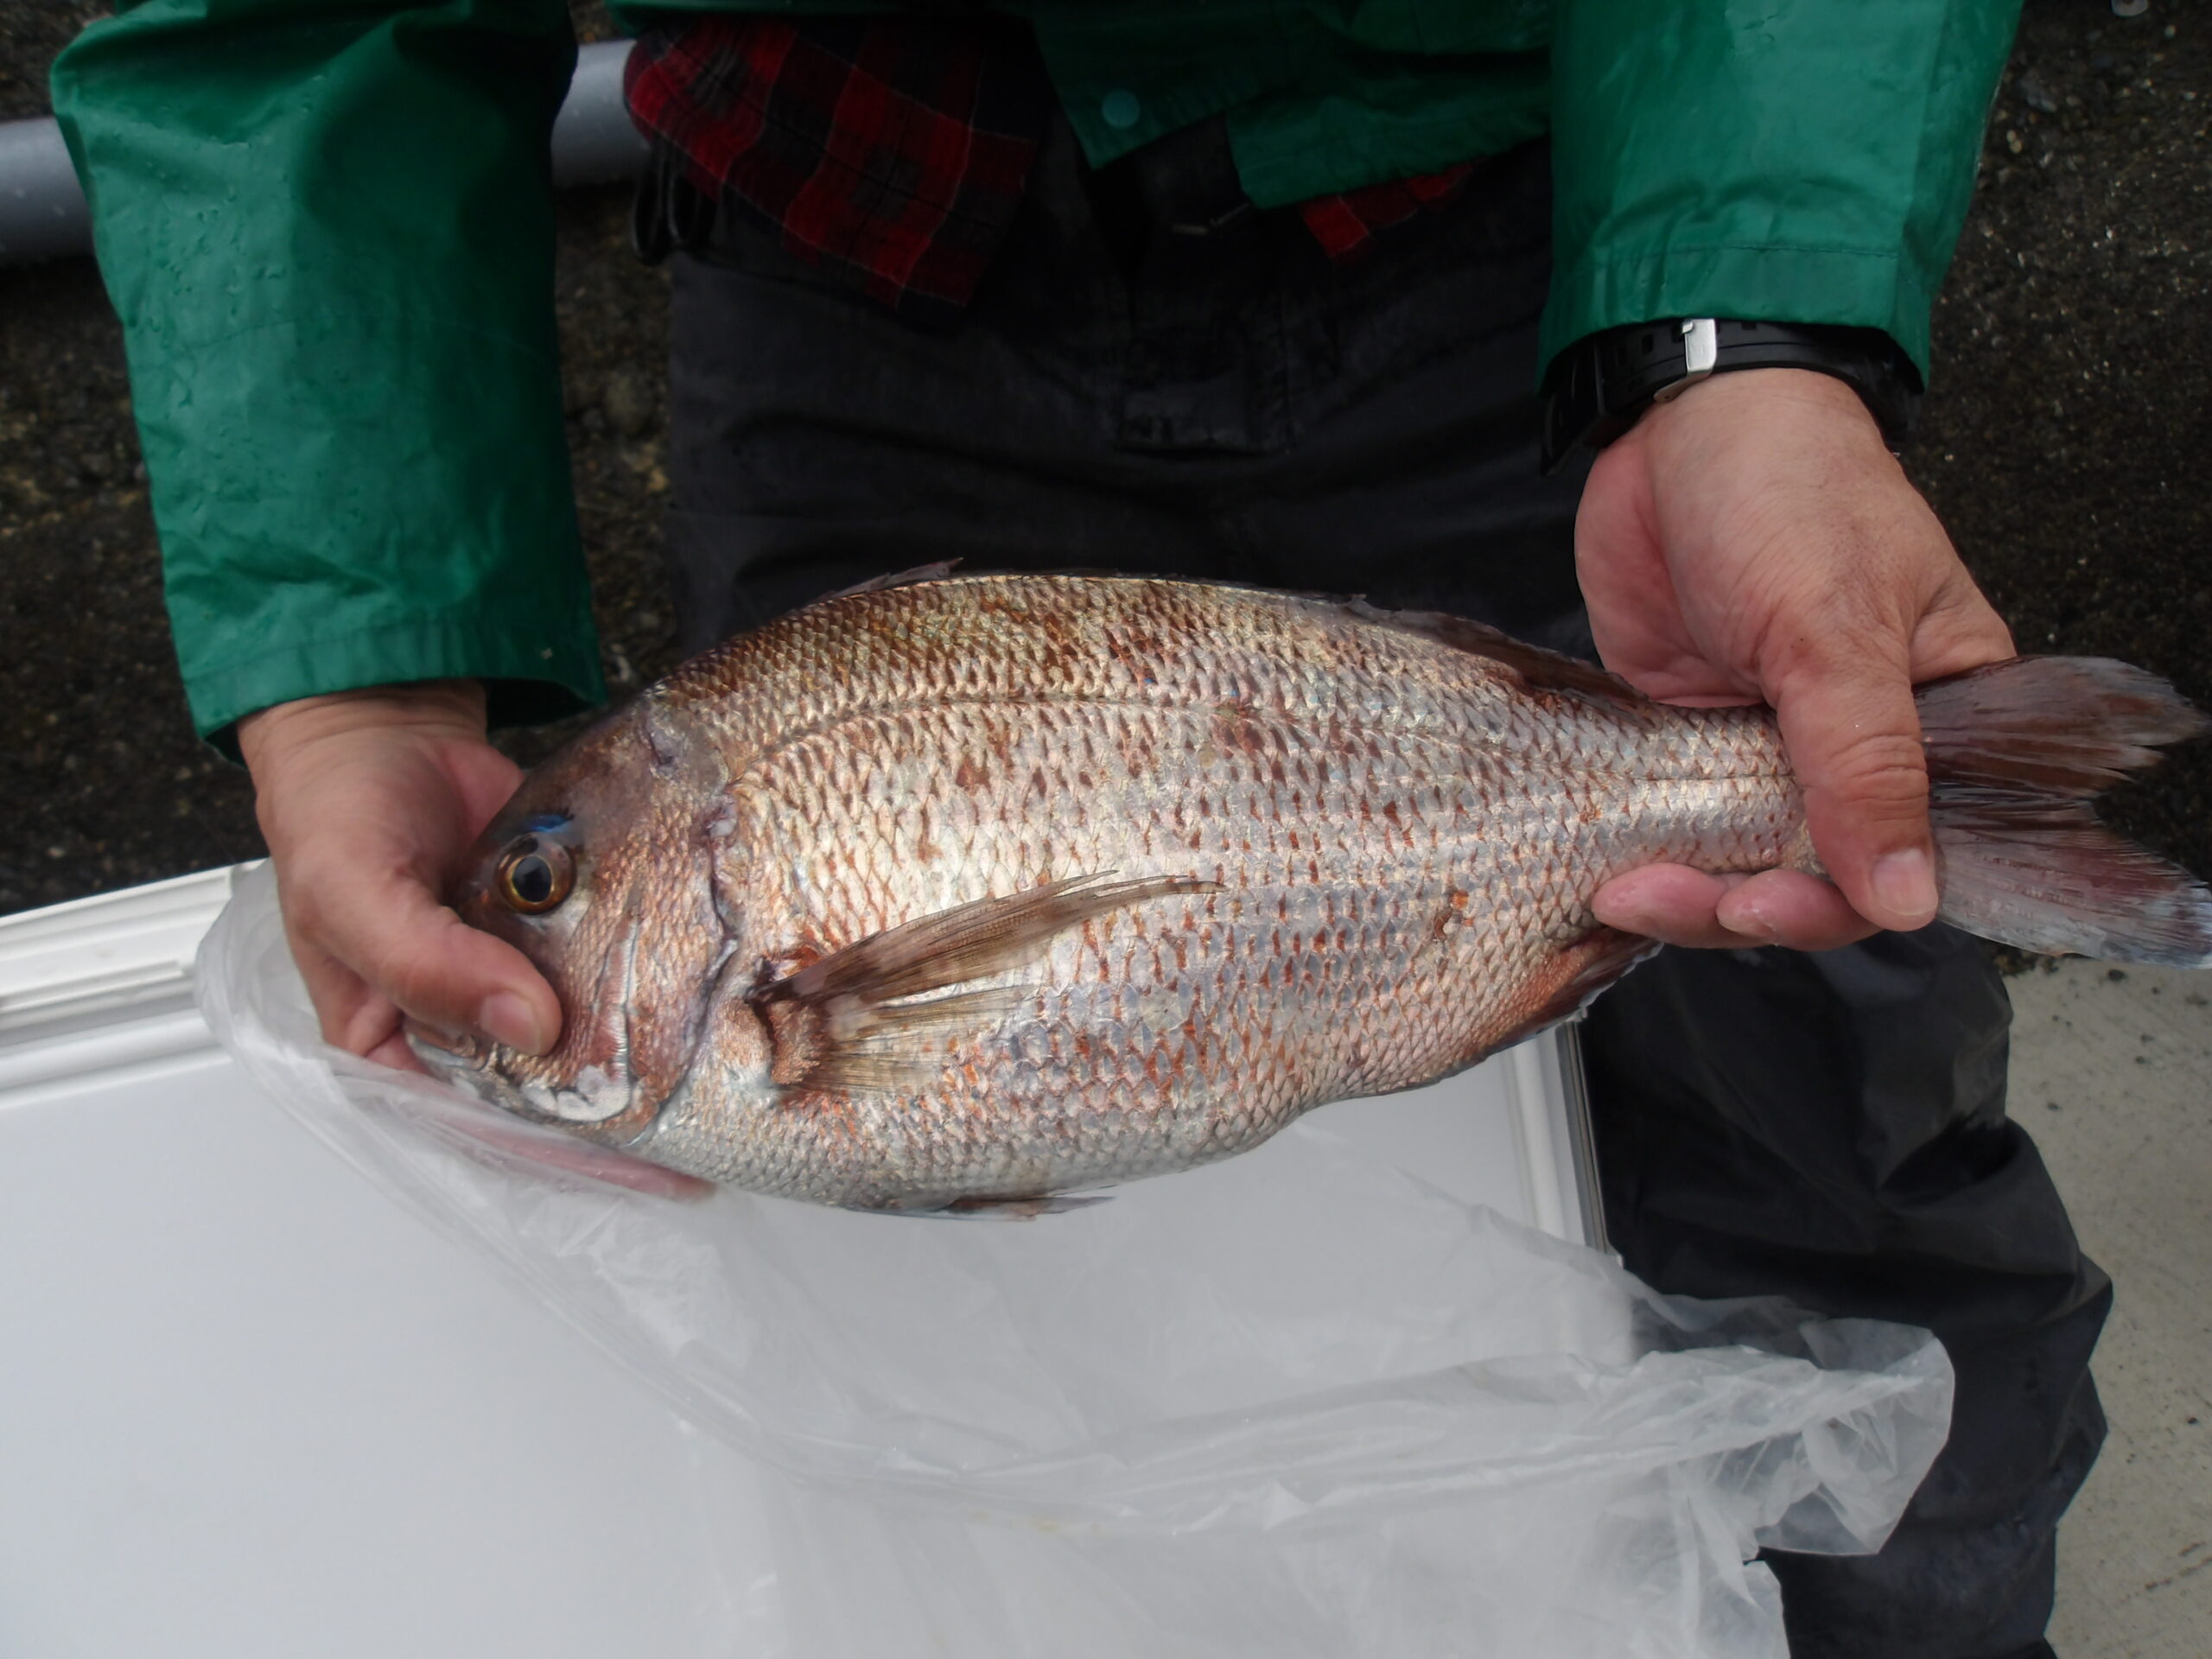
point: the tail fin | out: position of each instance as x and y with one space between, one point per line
2015 750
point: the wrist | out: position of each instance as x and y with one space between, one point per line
1757 394
437 709
1600 387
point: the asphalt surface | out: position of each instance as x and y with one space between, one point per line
2063 444
2110 1068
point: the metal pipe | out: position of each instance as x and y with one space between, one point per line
42 210
42 213
593 140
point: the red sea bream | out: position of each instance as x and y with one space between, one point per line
966 892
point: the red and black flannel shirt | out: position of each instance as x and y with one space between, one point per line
891 153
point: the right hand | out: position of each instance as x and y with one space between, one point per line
1754 540
367 799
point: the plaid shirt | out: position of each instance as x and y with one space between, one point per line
892 154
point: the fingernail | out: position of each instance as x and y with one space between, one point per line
1752 925
1906 886
508 1021
1622 918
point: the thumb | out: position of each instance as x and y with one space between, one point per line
1853 734
434 967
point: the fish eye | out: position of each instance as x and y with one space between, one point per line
535 875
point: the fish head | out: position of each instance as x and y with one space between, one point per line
600 869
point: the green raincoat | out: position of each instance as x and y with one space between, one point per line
326 225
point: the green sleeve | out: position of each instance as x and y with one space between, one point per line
1793 161
326 226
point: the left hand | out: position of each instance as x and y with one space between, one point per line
1753 540
367 799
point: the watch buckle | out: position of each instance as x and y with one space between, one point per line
1701 351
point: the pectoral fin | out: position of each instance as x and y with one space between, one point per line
847 1022
841 1044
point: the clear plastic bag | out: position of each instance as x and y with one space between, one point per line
1302 1402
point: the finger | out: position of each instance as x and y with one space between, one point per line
1671 902
394 1052
410 949
351 1016
1787 907
1853 738
1689 908
485 778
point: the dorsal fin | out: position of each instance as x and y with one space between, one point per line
937 572
1540 670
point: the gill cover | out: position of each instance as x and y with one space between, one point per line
599 870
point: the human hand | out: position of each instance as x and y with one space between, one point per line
1753 540
367 798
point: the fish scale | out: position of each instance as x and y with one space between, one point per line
987 889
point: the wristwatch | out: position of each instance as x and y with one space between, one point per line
1597 387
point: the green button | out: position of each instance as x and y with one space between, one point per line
1121 109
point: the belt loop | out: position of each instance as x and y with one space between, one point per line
668 213
648 237
1189 181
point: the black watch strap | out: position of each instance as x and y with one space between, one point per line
1597 388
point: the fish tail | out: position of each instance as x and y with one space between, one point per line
2015 753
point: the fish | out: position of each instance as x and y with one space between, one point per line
979 893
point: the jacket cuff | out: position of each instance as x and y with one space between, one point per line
531 674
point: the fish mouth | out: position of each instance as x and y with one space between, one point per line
461 1061
598 1093
444 1052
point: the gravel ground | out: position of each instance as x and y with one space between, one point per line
2062 444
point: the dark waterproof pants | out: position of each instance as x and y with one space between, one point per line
1154 380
